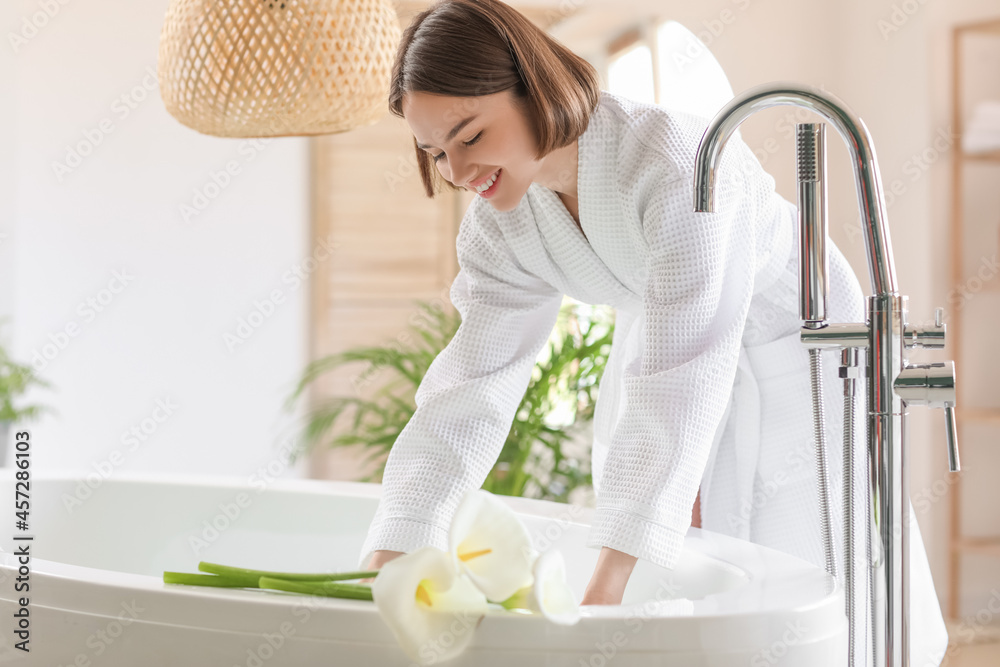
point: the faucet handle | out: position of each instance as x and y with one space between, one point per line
933 385
930 336
951 431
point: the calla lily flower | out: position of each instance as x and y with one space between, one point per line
549 595
491 545
433 600
431 606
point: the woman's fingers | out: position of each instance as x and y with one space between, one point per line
378 559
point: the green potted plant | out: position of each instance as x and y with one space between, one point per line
15 379
541 457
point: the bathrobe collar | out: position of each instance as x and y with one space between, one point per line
577 262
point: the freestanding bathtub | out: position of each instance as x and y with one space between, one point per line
97 596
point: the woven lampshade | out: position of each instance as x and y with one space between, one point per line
266 68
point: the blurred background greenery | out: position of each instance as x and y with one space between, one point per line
547 451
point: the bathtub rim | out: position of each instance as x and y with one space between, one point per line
103 590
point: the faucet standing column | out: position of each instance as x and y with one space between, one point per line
885 335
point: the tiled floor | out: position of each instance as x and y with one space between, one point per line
973 655
981 648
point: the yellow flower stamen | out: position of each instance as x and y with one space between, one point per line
473 554
423 596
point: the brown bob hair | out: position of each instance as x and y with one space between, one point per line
468 48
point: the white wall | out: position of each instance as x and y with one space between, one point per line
86 78
8 169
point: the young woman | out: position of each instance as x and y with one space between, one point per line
589 194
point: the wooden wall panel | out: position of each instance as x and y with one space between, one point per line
395 246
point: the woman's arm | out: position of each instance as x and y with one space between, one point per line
613 569
381 557
676 383
607 584
468 398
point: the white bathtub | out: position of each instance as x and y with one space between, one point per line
97 596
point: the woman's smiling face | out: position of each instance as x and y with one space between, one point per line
474 139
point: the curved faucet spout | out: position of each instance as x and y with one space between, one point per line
881 268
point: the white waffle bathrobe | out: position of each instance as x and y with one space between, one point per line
706 385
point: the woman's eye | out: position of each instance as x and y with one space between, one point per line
466 143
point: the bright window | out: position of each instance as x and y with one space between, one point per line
690 78
630 74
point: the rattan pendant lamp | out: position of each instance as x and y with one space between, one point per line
271 68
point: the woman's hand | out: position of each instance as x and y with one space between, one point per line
378 559
607 584
611 574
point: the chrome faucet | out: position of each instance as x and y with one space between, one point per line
892 384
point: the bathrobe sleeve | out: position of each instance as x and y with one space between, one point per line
700 281
467 400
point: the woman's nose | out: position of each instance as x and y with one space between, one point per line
461 173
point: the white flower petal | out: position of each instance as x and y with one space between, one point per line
491 545
552 594
430 606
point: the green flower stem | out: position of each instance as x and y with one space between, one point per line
521 599
324 587
227 570
228 581
319 587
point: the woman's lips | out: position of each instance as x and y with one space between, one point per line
489 192
487 177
